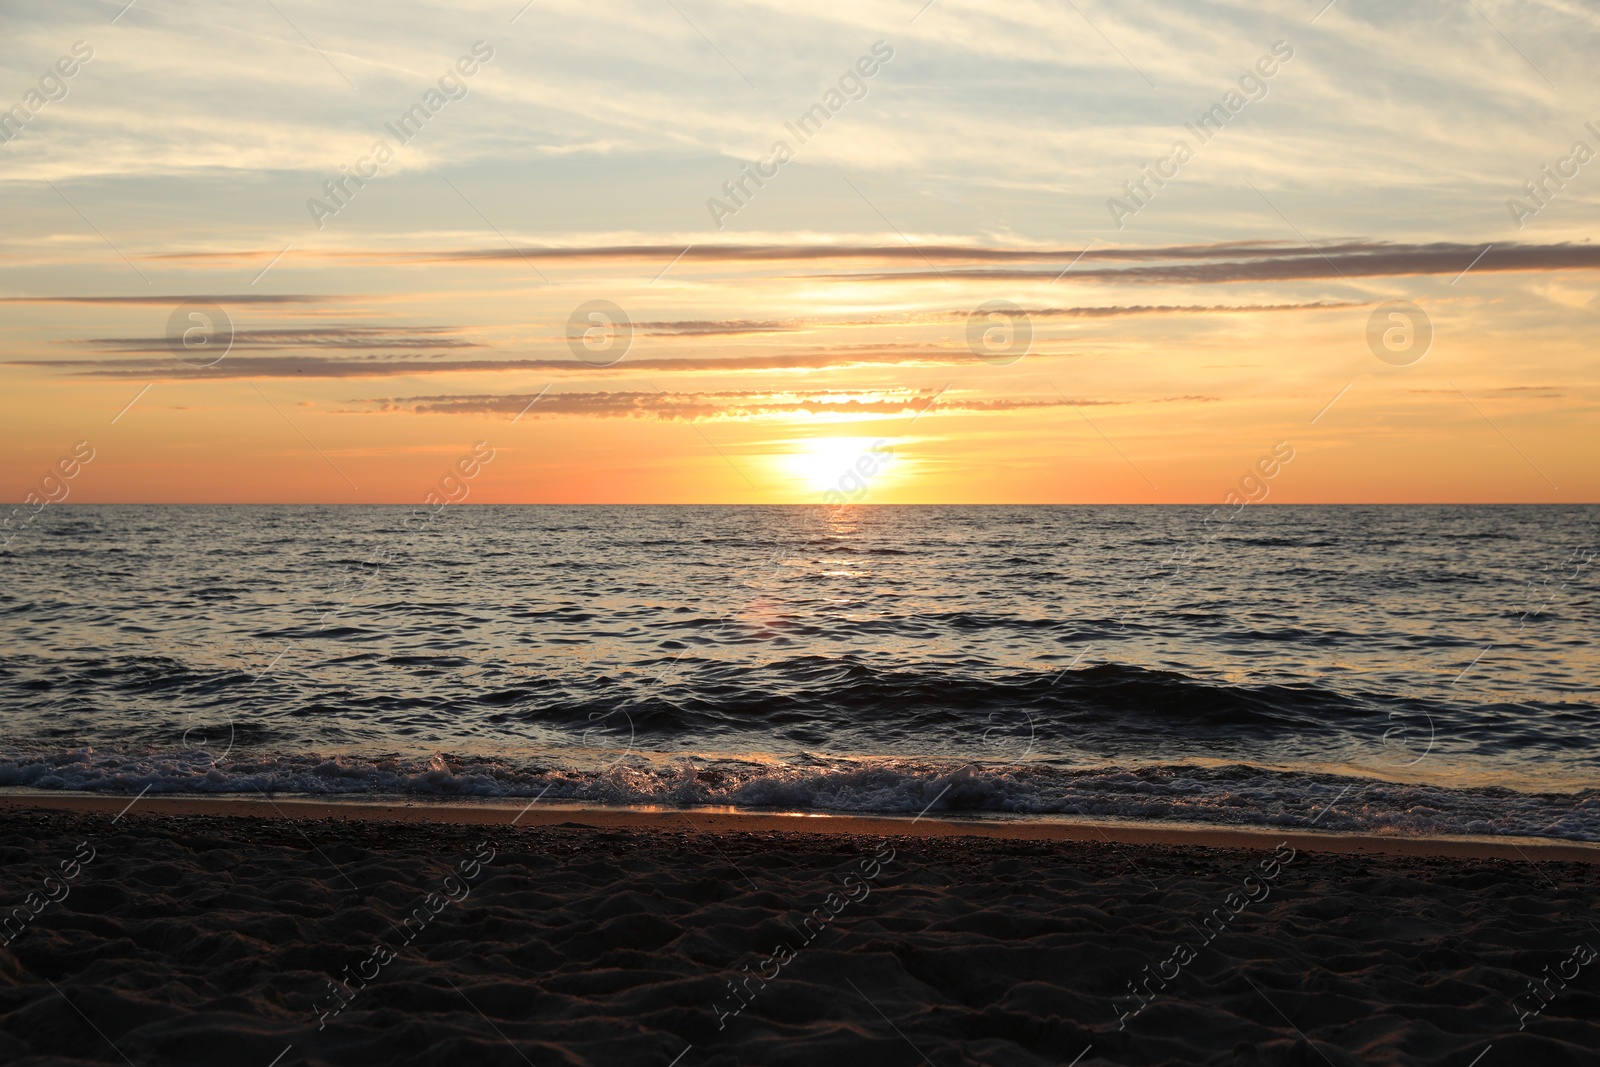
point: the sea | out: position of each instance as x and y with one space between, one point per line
1382 669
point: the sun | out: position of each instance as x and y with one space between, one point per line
847 465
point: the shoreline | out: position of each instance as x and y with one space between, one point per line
575 816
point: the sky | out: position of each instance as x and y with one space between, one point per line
690 252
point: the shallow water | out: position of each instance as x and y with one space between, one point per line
1419 669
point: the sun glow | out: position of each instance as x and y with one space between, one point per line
846 465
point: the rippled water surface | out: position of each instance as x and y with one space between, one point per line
1407 669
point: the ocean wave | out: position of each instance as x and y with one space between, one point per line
1013 661
1233 795
693 694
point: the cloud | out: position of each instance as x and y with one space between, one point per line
439 338
1169 309
340 337
1348 262
790 252
1207 264
833 357
1219 261
315 367
1504 392
731 404
174 301
813 251
708 328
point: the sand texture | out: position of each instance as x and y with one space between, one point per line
161 939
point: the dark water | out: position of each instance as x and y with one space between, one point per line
1419 669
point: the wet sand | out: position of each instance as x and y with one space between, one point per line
523 814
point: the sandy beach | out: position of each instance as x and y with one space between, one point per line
280 933
799 535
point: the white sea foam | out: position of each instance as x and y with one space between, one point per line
1237 795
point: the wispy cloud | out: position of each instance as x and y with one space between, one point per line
711 328
1292 265
784 252
1208 264
1505 392
797 252
735 404
374 367
1117 311
335 337
175 300
446 338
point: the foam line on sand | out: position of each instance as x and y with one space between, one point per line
521 813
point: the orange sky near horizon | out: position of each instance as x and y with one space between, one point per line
1136 406
1180 327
